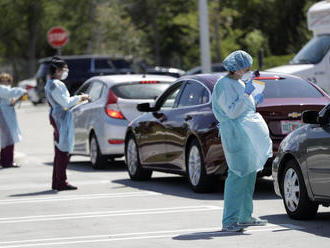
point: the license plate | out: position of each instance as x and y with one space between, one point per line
289 126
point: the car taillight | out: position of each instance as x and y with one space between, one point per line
111 107
115 141
28 87
267 78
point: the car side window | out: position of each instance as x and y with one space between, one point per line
102 64
171 98
193 94
83 89
95 91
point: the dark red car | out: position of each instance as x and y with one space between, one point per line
178 134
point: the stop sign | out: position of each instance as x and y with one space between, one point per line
57 37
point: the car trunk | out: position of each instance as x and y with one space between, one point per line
127 96
283 115
128 107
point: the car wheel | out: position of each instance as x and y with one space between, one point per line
200 182
296 201
135 170
97 159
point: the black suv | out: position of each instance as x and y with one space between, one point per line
82 67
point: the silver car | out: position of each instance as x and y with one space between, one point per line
301 169
100 124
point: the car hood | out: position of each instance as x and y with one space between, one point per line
291 69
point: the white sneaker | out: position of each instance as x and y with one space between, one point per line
232 228
254 222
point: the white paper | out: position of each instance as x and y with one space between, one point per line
259 87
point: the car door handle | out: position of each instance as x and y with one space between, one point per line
188 117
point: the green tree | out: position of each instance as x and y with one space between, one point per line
155 18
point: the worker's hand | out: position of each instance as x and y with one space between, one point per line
259 98
12 102
85 97
249 87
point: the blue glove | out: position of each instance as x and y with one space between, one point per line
249 87
259 98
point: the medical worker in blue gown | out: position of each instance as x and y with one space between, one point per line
9 130
245 140
61 118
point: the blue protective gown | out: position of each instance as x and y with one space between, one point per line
60 101
9 130
246 143
244 133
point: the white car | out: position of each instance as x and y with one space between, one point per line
100 125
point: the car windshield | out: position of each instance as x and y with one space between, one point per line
314 51
140 90
290 88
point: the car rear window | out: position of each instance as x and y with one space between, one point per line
140 90
290 88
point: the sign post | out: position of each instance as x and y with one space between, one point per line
57 37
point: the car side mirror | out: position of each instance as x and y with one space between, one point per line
310 117
145 107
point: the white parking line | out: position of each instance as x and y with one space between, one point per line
57 217
185 233
78 197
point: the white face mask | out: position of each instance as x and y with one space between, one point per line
246 76
65 74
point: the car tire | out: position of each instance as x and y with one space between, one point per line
98 161
132 158
295 198
199 181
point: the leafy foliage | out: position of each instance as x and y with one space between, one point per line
162 32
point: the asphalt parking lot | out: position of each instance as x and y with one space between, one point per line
110 210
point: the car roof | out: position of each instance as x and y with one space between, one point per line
212 78
123 78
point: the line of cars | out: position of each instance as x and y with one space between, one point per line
177 132
164 123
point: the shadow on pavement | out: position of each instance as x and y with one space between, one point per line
45 192
319 226
179 186
206 235
85 166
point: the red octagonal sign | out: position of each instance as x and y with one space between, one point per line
57 37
